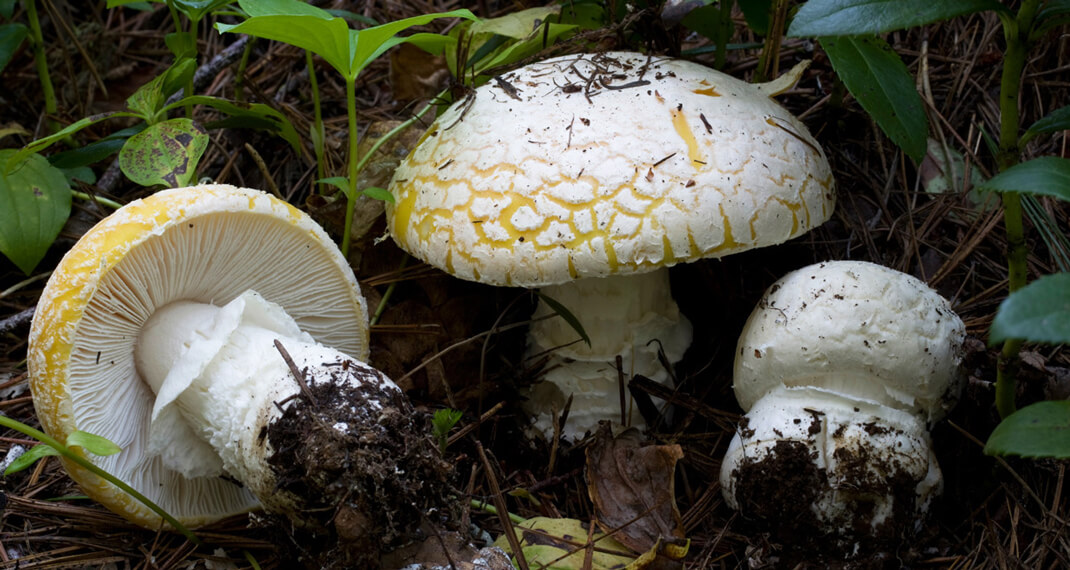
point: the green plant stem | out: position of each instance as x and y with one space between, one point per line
317 121
98 199
490 509
354 170
1016 32
89 466
41 60
724 32
771 46
239 74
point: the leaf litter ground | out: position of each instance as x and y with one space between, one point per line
457 344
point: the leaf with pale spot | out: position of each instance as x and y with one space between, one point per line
35 200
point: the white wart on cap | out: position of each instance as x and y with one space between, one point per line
842 367
606 165
206 244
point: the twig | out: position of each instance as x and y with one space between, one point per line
296 372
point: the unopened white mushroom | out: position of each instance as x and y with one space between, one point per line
578 173
166 329
842 367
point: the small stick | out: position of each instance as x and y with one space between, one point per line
298 375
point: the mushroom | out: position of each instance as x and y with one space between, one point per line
842 367
579 173
216 334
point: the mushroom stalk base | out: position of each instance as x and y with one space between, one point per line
341 451
810 462
632 316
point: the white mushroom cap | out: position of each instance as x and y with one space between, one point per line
596 165
207 244
854 328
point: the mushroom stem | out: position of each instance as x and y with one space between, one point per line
220 380
632 316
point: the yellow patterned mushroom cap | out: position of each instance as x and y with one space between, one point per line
596 165
209 244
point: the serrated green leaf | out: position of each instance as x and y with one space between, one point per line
1043 176
567 315
29 458
379 194
1038 430
95 444
35 201
819 18
11 37
165 153
1038 312
1057 120
875 75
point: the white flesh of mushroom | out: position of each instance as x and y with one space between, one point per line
220 381
632 316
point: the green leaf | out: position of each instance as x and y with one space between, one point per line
149 99
819 18
43 143
370 43
35 201
181 44
29 458
875 75
339 182
516 25
567 315
1057 120
196 10
757 14
165 153
256 115
1043 176
7 8
11 37
95 444
1038 430
1038 312
379 194
95 151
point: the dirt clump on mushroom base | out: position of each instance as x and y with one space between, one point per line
780 489
365 468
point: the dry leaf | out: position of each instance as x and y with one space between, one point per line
416 75
631 486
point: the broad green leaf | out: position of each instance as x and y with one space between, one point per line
379 194
1043 176
149 99
370 43
79 174
1057 120
95 444
1038 430
29 458
328 38
256 8
263 116
96 151
165 153
757 14
181 44
567 315
11 37
196 10
1038 312
819 18
35 201
7 8
875 75
516 25
520 50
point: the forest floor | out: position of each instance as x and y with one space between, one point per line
993 513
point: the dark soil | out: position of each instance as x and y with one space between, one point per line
361 463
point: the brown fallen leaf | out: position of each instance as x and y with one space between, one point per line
631 486
416 75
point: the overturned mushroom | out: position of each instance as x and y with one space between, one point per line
577 174
842 367
216 334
